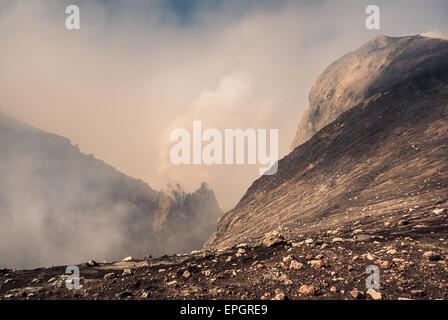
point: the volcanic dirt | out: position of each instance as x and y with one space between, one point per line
409 249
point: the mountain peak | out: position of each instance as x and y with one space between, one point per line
371 69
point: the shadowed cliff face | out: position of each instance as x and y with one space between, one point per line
371 69
59 206
386 154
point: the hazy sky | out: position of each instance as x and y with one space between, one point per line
138 69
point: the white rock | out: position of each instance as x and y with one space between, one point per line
374 294
127 272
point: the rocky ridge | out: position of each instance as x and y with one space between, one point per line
369 70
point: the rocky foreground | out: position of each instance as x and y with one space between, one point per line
411 250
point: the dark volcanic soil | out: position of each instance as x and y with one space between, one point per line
410 248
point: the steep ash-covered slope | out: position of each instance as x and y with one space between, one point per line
376 66
58 205
383 157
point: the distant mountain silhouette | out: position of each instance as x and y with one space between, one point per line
59 206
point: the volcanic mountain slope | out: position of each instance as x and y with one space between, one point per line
380 159
58 205
368 189
373 68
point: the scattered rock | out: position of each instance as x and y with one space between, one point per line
92 263
109 276
127 272
309 241
296 265
374 294
439 211
52 280
308 290
265 296
186 274
317 263
206 273
272 239
356 294
279 295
